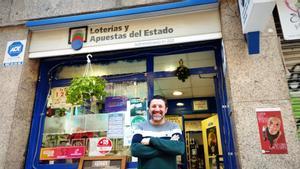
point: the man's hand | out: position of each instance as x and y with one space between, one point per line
175 137
145 141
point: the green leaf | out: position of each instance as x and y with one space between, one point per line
84 88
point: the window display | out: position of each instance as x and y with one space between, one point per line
94 128
85 125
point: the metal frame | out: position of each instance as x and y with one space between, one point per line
47 67
224 114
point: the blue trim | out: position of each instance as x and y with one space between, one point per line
131 165
117 13
49 66
150 78
60 166
193 71
253 42
226 131
38 118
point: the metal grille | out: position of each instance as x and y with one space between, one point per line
291 55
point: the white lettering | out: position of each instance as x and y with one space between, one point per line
15 49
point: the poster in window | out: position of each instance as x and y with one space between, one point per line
115 125
270 126
115 104
58 98
212 141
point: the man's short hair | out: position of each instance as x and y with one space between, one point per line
158 97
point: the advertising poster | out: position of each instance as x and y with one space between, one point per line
62 153
115 104
271 131
137 114
58 98
115 125
212 141
138 110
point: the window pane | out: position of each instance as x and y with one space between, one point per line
86 125
100 69
190 60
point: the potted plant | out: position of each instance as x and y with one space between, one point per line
85 88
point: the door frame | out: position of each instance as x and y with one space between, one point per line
46 81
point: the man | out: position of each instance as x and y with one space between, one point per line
157 142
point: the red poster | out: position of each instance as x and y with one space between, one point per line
62 152
271 131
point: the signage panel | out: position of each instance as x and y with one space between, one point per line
255 13
289 14
55 153
14 53
130 34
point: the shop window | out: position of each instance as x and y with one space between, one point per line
102 69
94 128
190 60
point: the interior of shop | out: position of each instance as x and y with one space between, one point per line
129 82
192 106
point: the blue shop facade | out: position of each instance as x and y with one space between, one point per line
139 53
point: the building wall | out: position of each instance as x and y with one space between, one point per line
14 12
18 83
252 81
256 81
17 90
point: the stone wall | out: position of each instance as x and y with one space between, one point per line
256 81
13 12
17 90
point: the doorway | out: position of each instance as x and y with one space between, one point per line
192 103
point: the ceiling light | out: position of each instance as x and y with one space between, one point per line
177 93
179 104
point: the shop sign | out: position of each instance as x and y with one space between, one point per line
255 13
56 153
289 14
14 53
271 132
164 30
200 105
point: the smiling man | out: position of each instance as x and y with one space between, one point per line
157 142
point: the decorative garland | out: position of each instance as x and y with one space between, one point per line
182 72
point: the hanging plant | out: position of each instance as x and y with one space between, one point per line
84 88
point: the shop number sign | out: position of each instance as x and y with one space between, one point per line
104 145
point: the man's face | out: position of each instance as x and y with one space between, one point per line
157 110
274 125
